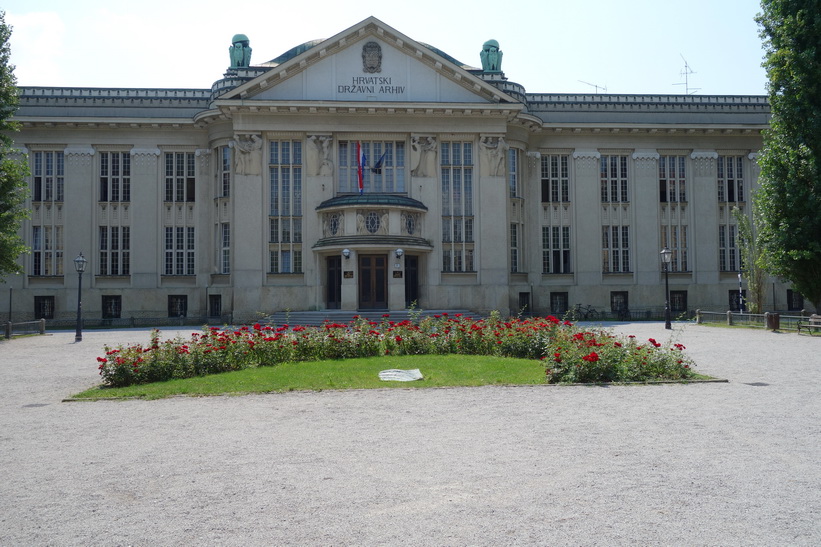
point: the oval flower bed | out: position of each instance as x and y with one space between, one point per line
570 354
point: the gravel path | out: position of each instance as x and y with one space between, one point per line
735 463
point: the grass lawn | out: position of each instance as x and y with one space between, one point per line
438 370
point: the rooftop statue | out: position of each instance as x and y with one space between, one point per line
240 51
491 57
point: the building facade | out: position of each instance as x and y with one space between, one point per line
372 172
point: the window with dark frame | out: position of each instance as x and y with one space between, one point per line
44 307
177 305
112 306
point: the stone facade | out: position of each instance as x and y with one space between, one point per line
244 199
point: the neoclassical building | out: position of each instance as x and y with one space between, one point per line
369 171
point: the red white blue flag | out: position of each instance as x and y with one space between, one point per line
361 163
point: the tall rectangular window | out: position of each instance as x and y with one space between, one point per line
559 303
285 216
514 247
555 178
48 175
383 171
614 179
556 249
179 250
225 172
513 172
727 248
456 164
225 248
675 238
115 177
672 179
179 176
615 249
46 250
114 257
731 179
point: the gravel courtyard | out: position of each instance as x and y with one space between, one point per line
735 463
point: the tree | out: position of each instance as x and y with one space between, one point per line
789 200
750 253
13 168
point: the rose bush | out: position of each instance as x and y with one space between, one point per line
569 353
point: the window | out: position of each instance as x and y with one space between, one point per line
514 248
730 179
615 249
112 306
457 206
179 250
225 172
48 176
44 307
675 238
672 179
115 250
614 180
177 305
727 248
225 248
559 303
214 305
556 250
737 300
179 176
47 250
619 302
115 176
384 170
678 301
555 178
795 300
513 171
285 219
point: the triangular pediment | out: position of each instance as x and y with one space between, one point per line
369 62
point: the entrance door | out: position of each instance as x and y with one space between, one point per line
373 282
333 288
411 281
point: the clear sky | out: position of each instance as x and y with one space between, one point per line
549 46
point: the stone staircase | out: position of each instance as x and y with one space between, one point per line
317 318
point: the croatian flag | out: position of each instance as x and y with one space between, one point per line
361 163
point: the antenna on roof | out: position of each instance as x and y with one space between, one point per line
598 87
685 73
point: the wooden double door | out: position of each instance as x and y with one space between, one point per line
372 281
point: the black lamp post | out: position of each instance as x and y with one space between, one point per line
666 257
80 265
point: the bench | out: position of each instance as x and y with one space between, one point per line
813 323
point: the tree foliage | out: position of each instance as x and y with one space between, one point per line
789 201
750 253
13 169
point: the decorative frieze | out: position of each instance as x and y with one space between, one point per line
646 159
704 162
79 156
144 157
586 159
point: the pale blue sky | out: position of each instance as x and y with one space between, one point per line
550 46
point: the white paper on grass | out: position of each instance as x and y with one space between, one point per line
399 375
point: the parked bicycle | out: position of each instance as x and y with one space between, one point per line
583 313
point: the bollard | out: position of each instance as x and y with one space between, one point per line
699 319
42 326
729 317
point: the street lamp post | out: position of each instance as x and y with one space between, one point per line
666 257
80 265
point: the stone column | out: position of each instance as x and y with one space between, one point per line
147 234
645 233
703 245
586 237
79 233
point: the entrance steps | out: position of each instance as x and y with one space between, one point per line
317 318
